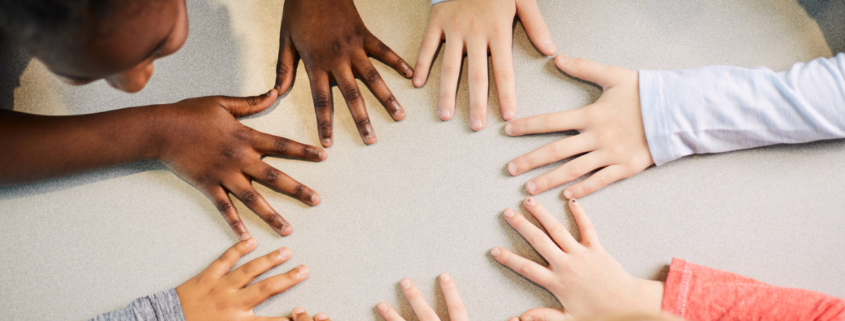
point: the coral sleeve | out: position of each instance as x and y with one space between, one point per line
699 293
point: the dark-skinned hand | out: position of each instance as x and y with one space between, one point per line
334 45
209 148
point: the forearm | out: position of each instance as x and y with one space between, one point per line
719 108
40 147
163 306
695 292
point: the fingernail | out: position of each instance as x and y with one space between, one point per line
563 59
286 230
550 47
512 168
327 140
303 272
476 125
284 254
575 202
244 236
508 129
298 310
444 114
250 241
405 283
315 198
320 317
494 251
567 194
444 277
382 307
531 187
508 213
509 115
529 201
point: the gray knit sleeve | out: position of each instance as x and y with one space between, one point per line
163 306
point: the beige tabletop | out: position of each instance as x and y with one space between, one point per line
428 197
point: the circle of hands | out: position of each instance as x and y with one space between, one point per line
335 50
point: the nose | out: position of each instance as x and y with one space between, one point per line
132 80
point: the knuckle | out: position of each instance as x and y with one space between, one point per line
575 170
298 190
271 175
268 287
229 153
249 197
542 28
557 229
383 49
372 76
524 269
322 100
252 100
225 207
281 144
390 99
352 93
248 269
535 239
242 133
282 68
325 125
363 122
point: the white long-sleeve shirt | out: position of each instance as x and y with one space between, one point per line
719 108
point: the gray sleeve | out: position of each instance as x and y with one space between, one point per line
163 306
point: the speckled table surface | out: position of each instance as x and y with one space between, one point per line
427 198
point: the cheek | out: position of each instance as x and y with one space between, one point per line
133 80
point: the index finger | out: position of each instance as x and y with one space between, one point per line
388 313
547 123
457 310
418 303
535 26
267 144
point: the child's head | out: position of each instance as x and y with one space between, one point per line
85 40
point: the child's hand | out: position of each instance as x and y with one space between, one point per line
586 280
299 314
424 312
217 294
611 134
202 141
334 44
475 27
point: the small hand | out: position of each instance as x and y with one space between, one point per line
475 27
299 314
611 134
218 294
203 142
424 312
586 280
335 46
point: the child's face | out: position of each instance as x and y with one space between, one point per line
122 47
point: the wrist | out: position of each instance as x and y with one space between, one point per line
646 296
156 127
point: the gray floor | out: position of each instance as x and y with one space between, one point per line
427 197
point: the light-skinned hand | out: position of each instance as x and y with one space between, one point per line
218 294
476 27
424 312
611 134
587 281
334 45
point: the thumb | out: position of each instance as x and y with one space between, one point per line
535 26
245 106
544 314
604 76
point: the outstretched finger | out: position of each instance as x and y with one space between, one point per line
299 314
245 106
544 314
431 41
321 93
597 181
382 52
568 172
322 317
224 205
346 82
262 290
588 232
602 75
547 123
278 180
457 310
535 236
364 69
550 153
387 312
244 274
556 230
421 308
450 72
478 84
525 267
502 52
535 26
267 144
286 65
225 262
244 191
